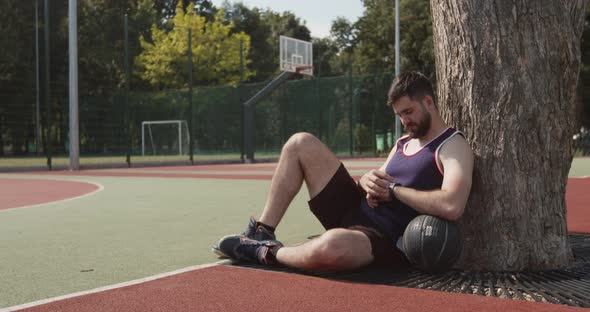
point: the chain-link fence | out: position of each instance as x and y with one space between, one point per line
120 111
111 127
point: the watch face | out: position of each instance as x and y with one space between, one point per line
392 185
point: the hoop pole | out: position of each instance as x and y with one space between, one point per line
179 140
143 139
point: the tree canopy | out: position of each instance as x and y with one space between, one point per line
215 51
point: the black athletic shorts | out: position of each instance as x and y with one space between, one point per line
338 206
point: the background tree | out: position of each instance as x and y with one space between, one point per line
343 34
250 22
376 36
216 52
507 74
325 52
17 80
101 47
417 50
372 37
166 9
285 24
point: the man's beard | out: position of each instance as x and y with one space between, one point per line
422 127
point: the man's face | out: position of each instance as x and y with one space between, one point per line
413 115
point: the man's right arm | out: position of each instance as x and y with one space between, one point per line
449 201
376 182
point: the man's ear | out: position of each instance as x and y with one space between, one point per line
429 102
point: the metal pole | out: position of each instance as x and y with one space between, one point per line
47 87
37 92
398 124
350 129
190 94
74 122
126 118
179 138
142 139
242 107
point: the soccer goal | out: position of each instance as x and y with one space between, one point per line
164 137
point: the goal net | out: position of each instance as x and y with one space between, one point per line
164 137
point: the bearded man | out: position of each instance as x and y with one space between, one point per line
428 171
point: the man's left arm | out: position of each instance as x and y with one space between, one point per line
449 202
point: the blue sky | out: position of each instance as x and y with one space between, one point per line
317 14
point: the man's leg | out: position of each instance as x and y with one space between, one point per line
303 158
335 250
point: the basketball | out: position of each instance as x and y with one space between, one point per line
432 243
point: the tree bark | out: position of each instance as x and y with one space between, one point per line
507 74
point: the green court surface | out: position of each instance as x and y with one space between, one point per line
580 167
137 227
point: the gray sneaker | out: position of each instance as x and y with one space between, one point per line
259 233
241 248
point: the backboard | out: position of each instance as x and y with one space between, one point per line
296 56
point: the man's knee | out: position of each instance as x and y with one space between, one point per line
300 142
334 248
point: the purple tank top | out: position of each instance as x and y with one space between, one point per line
419 171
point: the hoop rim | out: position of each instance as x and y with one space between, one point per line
300 69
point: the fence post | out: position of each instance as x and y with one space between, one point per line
37 88
242 108
350 99
47 87
190 96
126 118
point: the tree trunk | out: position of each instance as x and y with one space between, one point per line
507 73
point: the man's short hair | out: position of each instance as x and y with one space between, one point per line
413 84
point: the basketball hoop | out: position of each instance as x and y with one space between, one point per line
296 56
306 70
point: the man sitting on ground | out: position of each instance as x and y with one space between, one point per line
428 171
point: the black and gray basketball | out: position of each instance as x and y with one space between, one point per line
432 243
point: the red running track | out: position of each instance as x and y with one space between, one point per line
26 192
223 288
577 197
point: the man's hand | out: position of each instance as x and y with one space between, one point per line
372 201
376 183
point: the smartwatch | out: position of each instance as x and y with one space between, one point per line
392 185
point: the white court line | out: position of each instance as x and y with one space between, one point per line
110 287
100 188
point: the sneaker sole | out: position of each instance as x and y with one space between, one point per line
215 249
